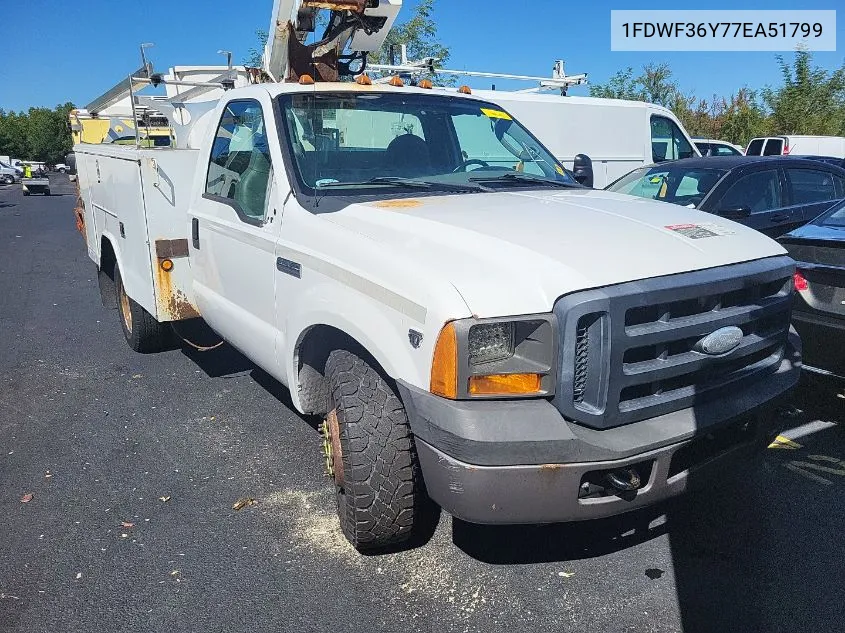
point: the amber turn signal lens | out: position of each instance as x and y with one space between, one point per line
426 84
167 265
465 90
363 80
306 80
504 385
396 81
444 367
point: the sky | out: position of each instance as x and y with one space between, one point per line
54 51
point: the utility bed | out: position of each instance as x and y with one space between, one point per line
138 198
36 185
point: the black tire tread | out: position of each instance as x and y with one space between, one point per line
148 336
383 500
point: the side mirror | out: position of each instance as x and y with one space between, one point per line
735 213
583 170
70 161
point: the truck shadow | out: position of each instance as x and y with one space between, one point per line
524 544
762 551
227 362
757 549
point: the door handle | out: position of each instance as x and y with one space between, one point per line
195 233
780 217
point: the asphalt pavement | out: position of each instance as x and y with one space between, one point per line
119 471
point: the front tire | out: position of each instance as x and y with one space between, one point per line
381 498
143 333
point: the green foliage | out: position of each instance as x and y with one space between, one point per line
40 134
811 100
419 34
253 58
654 85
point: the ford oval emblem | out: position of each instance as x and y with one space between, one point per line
721 341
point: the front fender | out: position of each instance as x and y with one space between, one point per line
381 330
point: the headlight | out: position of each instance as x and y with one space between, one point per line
489 342
495 358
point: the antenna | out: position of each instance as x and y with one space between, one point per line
144 62
228 55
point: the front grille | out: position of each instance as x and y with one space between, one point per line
634 354
582 357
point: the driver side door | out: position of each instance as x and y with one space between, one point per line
234 229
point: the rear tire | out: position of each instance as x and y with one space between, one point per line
381 498
143 333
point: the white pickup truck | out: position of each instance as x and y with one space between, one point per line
496 338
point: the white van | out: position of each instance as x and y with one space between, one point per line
797 145
616 135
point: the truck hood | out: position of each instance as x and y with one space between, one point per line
516 252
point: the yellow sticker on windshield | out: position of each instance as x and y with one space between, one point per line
655 179
559 169
496 114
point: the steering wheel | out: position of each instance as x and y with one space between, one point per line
472 161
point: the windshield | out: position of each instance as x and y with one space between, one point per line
349 142
679 185
835 217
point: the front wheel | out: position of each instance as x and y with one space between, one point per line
370 454
143 333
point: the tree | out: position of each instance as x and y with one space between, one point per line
811 99
743 118
41 134
419 34
253 59
654 85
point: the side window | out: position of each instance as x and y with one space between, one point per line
667 140
755 147
724 150
478 142
774 147
758 192
810 185
240 168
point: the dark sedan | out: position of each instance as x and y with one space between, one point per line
819 310
771 194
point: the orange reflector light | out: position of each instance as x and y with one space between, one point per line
444 366
306 80
363 80
396 81
800 281
465 90
167 265
426 84
504 384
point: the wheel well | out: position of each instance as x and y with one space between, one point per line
312 353
107 258
105 276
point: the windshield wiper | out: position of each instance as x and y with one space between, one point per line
395 181
526 178
399 181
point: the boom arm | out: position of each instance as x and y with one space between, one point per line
355 28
